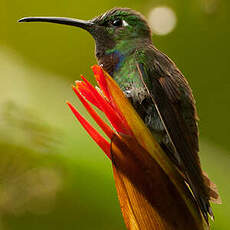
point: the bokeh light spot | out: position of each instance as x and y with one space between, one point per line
162 20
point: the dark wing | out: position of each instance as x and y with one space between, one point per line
174 102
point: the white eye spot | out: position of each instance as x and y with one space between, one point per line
162 20
124 23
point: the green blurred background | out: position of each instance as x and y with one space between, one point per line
52 175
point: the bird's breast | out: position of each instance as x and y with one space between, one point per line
130 83
127 77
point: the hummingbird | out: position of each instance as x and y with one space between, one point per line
154 85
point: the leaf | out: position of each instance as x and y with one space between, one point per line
148 198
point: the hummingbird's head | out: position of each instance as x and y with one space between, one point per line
118 25
119 28
121 24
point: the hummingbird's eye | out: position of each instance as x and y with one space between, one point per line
117 22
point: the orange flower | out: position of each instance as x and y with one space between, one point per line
152 193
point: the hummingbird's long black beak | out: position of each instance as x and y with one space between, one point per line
60 20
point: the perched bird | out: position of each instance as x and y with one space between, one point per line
154 85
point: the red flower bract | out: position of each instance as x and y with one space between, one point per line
102 100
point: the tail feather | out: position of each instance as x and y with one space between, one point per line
214 195
204 202
202 199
